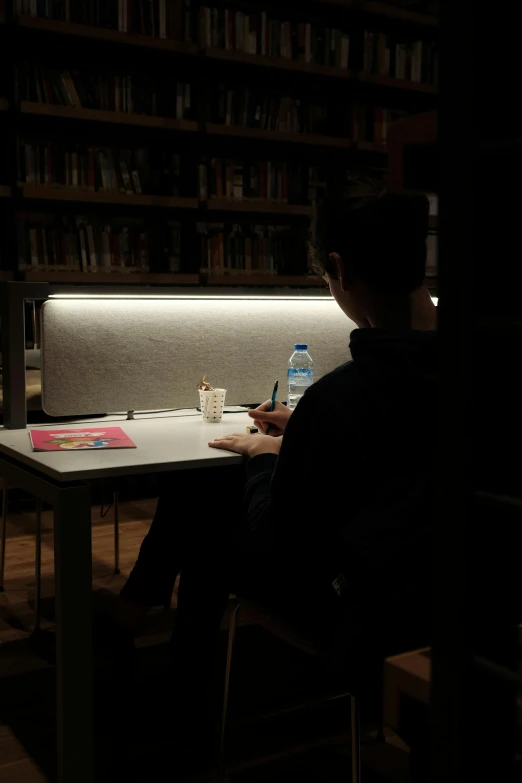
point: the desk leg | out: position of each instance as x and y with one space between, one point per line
74 675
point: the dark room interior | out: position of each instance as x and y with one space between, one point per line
263 257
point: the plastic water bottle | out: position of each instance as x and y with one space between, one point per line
300 374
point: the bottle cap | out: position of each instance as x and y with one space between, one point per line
301 347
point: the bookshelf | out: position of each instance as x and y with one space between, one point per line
57 27
99 115
111 277
375 92
269 207
380 80
214 129
265 280
215 53
279 63
386 12
51 193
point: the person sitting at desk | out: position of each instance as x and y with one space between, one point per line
331 524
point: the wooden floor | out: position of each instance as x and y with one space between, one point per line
303 754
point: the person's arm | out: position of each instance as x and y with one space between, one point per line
276 419
278 493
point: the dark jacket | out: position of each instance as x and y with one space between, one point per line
350 493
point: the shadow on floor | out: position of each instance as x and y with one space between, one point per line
266 674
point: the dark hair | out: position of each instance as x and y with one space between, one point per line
380 236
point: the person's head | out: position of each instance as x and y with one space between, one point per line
370 246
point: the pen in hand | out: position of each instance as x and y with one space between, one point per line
272 406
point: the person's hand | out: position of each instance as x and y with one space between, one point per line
248 445
278 418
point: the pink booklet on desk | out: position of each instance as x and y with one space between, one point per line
75 440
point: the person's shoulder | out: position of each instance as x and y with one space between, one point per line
339 378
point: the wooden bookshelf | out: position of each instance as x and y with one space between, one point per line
102 34
5 276
281 63
264 61
142 278
57 193
166 278
99 115
380 80
216 129
371 146
267 207
385 11
265 280
207 138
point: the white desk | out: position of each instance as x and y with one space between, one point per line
62 480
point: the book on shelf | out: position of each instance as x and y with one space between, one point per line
244 180
241 249
129 93
102 169
262 33
170 19
391 55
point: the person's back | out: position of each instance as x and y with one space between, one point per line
358 443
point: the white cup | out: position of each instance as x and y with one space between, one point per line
212 404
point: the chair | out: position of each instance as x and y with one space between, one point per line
38 543
297 638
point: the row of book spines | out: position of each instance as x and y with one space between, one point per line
260 34
170 19
289 121
241 108
86 249
222 259
95 170
402 60
246 271
266 181
114 92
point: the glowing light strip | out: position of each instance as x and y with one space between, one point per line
325 298
212 297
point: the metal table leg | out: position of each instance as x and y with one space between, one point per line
116 509
3 533
74 676
38 569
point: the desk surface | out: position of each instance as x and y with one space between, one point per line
171 442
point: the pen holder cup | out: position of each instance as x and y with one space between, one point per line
212 404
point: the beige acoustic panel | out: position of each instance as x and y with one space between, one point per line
106 355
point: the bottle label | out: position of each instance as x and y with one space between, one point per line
300 376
